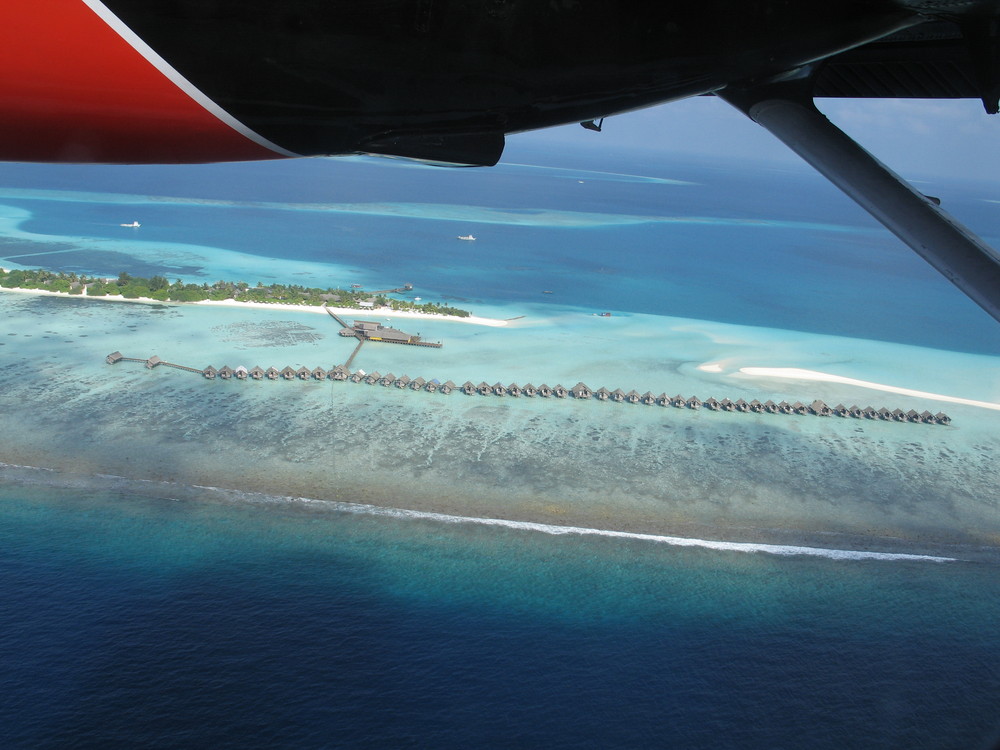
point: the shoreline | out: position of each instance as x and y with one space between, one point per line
343 311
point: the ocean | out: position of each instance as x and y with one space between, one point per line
316 564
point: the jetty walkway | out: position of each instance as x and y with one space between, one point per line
342 373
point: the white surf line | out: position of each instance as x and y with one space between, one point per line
794 373
676 541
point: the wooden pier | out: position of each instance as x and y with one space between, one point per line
579 392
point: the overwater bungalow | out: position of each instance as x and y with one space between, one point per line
499 389
942 418
884 413
647 398
432 386
514 390
319 373
370 379
581 390
741 405
913 416
387 379
898 415
417 384
447 387
114 357
632 397
153 362
529 390
869 412
468 388
617 395
241 372
544 391
303 373
602 394
693 403
664 400
727 405
560 391
225 372
799 408
210 372
820 409
402 381
711 403
678 401
756 406
784 407
340 373
854 411
770 407
257 372
926 417
839 410
272 373
484 388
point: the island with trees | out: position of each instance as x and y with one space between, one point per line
161 289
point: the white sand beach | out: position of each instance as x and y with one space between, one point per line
342 311
799 374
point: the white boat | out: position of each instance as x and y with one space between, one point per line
468 237
133 225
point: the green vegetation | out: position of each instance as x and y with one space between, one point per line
160 288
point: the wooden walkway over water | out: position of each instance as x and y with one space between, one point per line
343 374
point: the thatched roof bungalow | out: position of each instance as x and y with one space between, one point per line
820 409
114 357
756 406
884 413
153 362
912 416
432 385
560 391
693 403
632 396
618 395
447 387
664 400
741 405
402 381
484 388
927 417
210 372
770 407
499 389
799 408
339 373
727 405
784 407
602 394
544 391
898 415
942 418
257 372
272 373
319 373
225 372
370 379
711 403
648 398
529 390
581 390
514 390
678 401
417 384
468 388
387 379
241 372
303 373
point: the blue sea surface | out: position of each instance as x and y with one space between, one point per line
131 621
185 616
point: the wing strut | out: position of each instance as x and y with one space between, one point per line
963 258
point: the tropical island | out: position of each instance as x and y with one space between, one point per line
160 288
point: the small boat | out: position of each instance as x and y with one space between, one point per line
467 237
133 225
355 286
547 291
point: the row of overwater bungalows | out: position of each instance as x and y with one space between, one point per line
579 391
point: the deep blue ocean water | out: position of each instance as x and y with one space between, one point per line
135 621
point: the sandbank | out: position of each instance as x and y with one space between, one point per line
795 373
